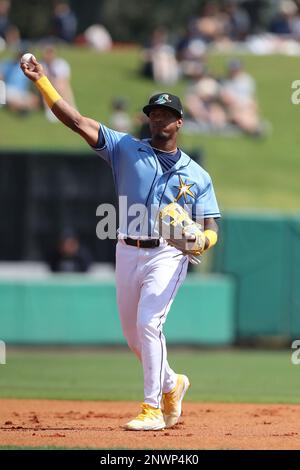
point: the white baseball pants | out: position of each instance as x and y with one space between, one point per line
147 281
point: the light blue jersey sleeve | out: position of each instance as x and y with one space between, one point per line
207 205
108 144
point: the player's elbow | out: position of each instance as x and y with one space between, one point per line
68 116
77 124
86 128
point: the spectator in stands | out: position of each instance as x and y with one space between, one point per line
64 22
205 111
58 71
210 24
119 118
159 59
237 25
294 23
98 37
70 256
13 39
281 23
18 95
9 33
295 28
223 106
4 18
191 51
238 96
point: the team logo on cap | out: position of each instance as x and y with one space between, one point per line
184 190
162 99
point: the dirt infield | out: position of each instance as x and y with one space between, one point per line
98 425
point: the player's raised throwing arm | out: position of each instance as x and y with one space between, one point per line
86 127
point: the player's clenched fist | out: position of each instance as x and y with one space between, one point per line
31 68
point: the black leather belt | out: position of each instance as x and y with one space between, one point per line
142 243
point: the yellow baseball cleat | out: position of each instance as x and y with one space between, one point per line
171 402
150 419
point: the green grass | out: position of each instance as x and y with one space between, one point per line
257 174
217 376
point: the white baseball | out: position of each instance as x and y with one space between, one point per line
26 58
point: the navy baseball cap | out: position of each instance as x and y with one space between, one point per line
164 100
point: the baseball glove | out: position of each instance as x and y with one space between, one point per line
180 231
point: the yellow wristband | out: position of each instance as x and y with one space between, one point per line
212 238
47 90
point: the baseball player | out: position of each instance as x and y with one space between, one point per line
147 173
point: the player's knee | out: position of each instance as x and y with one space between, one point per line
132 340
146 326
134 347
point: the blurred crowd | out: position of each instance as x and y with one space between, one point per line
223 105
224 26
226 103
63 28
16 92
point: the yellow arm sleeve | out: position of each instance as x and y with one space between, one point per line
212 237
47 90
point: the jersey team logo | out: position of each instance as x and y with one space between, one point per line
184 190
162 99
